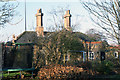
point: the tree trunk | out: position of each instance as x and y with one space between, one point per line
64 58
46 62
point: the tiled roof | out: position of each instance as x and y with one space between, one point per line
29 36
26 37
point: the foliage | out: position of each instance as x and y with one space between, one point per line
105 67
56 44
86 65
59 72
95 35
104 46
84 37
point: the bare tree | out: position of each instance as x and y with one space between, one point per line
58 18
55 46
7 11
95 34
105 13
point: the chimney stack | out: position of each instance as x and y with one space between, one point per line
39 22
67 20
14 38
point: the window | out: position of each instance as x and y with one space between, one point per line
91 55
84 56
116 54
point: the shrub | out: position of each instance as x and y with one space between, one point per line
104 67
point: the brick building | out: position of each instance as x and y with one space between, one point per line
24 43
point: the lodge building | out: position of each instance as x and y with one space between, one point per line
25 41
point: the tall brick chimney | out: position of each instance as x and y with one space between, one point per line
67 20
39 22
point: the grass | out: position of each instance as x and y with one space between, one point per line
98 77
14 74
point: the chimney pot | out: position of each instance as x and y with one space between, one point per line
39 10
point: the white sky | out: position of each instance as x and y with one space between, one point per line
75 7
49 0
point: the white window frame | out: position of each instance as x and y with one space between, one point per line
84 56
91 55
